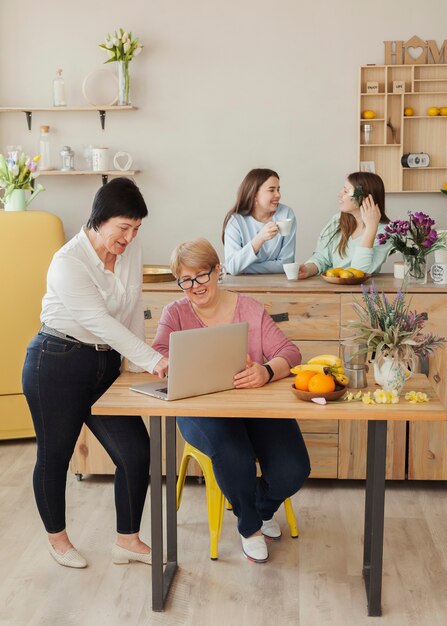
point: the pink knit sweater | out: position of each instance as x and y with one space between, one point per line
265 339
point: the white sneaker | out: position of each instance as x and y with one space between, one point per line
271 529
70 558
255 549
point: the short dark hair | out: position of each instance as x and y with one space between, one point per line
120 197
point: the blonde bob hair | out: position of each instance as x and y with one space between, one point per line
198 254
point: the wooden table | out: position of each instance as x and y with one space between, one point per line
274 400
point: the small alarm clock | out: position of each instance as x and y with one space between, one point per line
420 159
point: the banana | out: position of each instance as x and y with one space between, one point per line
327 359
313 367
341 379
318 368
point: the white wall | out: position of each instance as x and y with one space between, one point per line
221 87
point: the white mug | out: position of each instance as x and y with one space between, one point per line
438 273
284 226
291 270
100 159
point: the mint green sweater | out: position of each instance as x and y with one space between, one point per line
326 255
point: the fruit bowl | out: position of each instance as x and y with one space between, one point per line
346 281
330 395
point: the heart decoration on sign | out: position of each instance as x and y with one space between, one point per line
122 161
415 53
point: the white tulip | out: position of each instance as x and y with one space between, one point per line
125 37
126 46
109 44
115 41
137 51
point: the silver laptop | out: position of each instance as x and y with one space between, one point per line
201 360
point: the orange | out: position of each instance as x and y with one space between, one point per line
368 115
302 379
443 110
321 383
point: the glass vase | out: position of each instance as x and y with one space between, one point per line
123 83
415 269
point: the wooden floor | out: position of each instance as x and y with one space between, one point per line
311 581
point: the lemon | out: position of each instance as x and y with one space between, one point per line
408 111
357 273
443 110
346 274
331 274
368 115
444 186
432 111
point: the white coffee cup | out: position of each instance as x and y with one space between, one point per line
100 159
291 270
438 273
284 226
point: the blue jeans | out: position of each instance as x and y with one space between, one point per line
61 381
234 444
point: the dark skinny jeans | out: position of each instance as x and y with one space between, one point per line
234 444
61 381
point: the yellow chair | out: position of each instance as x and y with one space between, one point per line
215 499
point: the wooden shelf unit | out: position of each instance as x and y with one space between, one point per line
425 86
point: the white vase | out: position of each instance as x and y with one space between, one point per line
390 374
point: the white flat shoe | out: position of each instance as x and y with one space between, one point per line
255 549
71 558
121 556
271 529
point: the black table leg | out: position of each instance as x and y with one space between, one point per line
374 514
161 581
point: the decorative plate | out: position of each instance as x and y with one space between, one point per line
157 274
330 395
346 281
100 88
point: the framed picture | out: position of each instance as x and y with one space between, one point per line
368 166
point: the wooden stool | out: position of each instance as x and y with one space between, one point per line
215 499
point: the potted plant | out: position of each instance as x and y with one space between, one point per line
393 334
122 48
17 174
415 238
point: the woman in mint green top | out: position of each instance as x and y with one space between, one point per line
349 239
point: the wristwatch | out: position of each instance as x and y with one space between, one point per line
270 371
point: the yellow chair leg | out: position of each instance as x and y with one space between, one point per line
291 519
181 478
215 499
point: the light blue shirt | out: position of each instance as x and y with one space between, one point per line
239 254
326 255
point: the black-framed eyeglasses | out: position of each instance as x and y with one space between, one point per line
200 279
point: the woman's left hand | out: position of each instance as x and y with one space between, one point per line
254 375
370 212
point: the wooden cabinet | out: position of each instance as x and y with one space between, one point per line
391 133
312 314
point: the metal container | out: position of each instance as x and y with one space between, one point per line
357 377
67 156
354 354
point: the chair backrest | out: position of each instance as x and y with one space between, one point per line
28 241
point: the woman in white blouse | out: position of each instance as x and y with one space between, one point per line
92 316
251 235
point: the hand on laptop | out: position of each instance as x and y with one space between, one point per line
161 369
254 375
